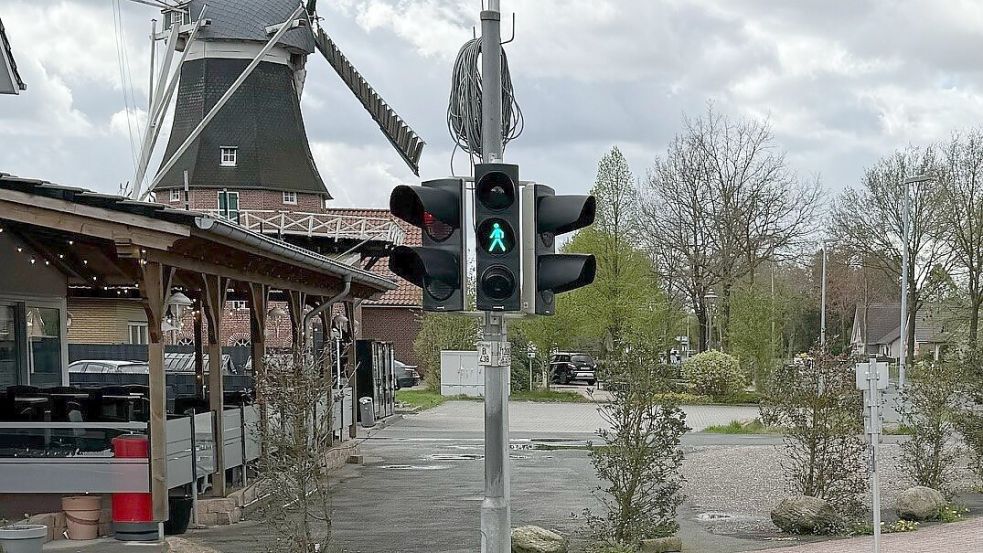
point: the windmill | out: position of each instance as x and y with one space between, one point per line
237 120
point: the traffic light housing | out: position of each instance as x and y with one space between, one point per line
546 273
496 223
437 266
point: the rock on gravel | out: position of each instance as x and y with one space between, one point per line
806 515
533 539
920 503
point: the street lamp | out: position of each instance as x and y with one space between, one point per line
906 238
822 319
709 298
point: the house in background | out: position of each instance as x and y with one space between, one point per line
877 330
10 81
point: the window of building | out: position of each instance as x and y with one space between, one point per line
9 349
175 195
138 333
290 198
230 155
44 335
237 305
228 205
327 202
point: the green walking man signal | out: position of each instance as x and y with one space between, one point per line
496 236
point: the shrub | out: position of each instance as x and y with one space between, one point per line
928 409
818 408
638 462
714 374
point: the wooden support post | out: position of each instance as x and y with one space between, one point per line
352 366
155 288
258 304
214 293
327 367
295 306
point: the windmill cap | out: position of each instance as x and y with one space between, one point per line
248 20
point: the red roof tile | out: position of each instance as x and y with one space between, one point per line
405 294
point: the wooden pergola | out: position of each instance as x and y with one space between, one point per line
108 243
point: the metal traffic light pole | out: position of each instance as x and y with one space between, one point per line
496 516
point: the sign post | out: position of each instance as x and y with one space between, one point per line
872 377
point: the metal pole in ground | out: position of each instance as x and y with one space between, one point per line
496 525
874 399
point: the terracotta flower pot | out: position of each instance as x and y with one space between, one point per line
82 513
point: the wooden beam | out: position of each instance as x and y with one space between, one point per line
240 274
78 209
155 286
258 306
69 222
213 291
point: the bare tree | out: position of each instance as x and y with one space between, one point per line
720 202
871 223
961 186
296 390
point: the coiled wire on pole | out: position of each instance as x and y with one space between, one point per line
464 107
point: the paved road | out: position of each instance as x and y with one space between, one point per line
960 537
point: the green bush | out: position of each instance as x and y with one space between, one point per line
714 374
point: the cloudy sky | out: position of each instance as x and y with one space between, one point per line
842 81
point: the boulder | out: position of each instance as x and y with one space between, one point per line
178 545
533 539
806 515
920 503
662 545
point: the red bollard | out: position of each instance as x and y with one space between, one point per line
133 513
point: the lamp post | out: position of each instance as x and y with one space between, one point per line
822 318
906 239
709 298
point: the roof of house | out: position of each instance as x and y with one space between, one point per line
405 294
9 76
248 20
201 225
262 120
932 323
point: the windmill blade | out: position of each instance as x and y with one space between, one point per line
403 138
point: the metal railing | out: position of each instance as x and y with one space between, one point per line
331 225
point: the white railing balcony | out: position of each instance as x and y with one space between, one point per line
327 225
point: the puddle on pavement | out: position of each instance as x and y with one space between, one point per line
455 457
414 467
714 516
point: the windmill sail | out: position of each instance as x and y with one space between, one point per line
403 138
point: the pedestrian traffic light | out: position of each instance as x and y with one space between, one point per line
496 217
546 273
437 266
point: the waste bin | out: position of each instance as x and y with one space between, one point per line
366 411
133 518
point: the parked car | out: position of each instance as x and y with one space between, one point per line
406 375
568 367
101 366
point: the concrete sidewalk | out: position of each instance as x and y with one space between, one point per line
958 537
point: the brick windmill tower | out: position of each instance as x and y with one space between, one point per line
238 147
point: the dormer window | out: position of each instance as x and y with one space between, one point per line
175 195
230 156
290 198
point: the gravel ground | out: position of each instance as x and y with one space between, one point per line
735 487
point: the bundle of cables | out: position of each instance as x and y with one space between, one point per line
464 109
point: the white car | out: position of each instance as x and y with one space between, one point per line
100 366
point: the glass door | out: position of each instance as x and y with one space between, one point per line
9 352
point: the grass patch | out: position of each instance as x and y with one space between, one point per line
739 427
952 513
898 430
549 396
422 399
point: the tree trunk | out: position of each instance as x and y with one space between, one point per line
701 319
974 319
